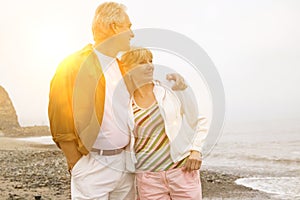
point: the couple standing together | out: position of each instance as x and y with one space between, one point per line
124 134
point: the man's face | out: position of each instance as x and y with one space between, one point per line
123 34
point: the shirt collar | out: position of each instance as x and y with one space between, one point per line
105 61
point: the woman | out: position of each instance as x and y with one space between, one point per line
167 135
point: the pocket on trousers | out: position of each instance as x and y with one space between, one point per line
194 176
148 179
77 165
149 175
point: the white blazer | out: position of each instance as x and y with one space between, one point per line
185 128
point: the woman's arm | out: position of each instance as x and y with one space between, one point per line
198 122
196 119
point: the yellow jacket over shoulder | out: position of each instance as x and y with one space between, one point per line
76 101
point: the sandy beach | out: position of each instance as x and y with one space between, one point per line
34 171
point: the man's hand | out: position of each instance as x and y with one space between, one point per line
72 163
193 162
71 153
179 81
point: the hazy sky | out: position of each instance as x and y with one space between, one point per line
255 45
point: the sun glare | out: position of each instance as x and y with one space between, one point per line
52 44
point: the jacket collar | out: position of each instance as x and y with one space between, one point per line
159 91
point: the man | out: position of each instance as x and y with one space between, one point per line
83 122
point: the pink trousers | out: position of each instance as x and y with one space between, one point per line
171 184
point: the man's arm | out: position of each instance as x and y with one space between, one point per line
61 115
179 82
170 78
69 148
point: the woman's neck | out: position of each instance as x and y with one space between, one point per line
144 91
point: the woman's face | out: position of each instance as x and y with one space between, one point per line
142 72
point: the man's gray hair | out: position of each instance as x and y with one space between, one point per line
105 15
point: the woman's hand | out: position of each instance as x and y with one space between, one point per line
193 162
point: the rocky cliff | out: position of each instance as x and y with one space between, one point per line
8 116
9 125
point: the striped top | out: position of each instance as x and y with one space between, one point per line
152 146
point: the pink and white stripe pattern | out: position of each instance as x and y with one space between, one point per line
152 145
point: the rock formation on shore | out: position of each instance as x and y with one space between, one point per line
8 116
9 125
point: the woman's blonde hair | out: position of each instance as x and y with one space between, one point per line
134 56
105 15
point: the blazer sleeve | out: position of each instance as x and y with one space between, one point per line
196 119
60 103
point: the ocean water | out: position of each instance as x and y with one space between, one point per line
39 140
267 158
278 187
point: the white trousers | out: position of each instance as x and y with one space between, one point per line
97 177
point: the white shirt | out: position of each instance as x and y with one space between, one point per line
114 132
